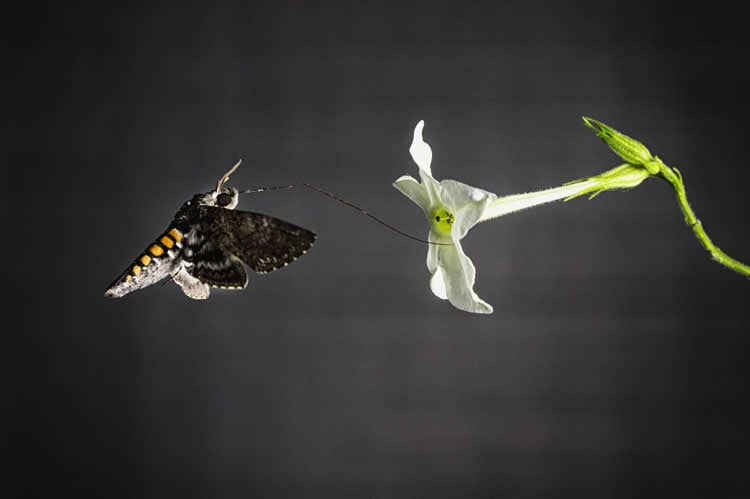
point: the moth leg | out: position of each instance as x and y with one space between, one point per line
192 287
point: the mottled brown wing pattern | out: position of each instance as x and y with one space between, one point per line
217 268
263 242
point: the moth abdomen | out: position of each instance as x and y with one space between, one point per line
152 265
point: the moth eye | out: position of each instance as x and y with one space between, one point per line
223 199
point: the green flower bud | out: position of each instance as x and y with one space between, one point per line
624 176
626 147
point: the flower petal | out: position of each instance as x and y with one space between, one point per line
433 188
458 274
432 253
468 204
456 194
412 189
437 284
420 151
437 281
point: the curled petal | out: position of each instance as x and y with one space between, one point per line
420 151
432 187
467 217
456 194
432 252
412 189
437 284
468 203
458 274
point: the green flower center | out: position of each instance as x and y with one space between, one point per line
442 221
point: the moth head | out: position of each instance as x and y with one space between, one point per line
227 197
222 197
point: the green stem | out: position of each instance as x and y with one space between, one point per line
674 177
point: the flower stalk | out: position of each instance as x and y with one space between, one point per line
640 162
516 202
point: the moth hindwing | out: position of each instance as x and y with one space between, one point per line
209 243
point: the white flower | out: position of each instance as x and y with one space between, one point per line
452 208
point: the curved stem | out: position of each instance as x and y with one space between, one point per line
674 177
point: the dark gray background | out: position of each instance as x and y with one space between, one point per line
614 364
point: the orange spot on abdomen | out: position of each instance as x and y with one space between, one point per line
166 241
176 234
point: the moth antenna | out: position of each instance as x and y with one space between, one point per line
223 180
333 196
270 188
